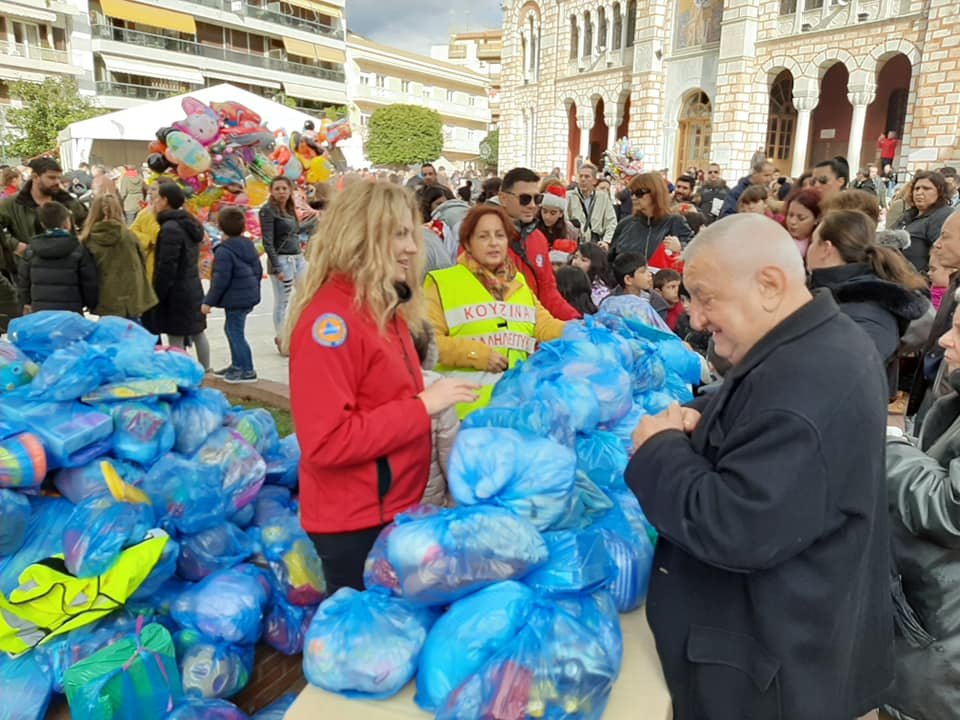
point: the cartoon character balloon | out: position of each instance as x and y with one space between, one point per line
202 123
182 149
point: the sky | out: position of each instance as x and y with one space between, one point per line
415 25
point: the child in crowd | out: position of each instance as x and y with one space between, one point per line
632 299
666 284
754 200
592 259
574 285
939 280
57 272
235 287
444 426
552 221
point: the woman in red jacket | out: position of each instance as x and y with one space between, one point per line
360 408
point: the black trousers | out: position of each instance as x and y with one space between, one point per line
343 555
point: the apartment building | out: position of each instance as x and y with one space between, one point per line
480 51
379 75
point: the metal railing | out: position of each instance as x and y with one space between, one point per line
129 90
34 52
240 7
213 52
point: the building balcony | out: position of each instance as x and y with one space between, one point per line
131 39
34 52
135 92
270 14
389 96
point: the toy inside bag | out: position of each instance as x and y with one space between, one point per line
16 369
285 625
97 531
242 469
40 334
212 669
219 548
185 493
23 461
195 416
227 605
292 558
579 563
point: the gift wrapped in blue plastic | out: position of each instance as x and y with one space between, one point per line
120 332
579 562
227 605
142 430
78 483
272 501
161 602
165 569
589 503
257 427
624 429
283 462
193 708
72 433
26 686
632 554
244 517
277 710
14 519
218 548
168 364
242 469
71 372
292 558
98 529
473 630
636 309
555 667
598 613
16 369
211 668
532 476
185 493
40 334
195 416
365 644
432 556
285 625
601 456
610 348
624 499
43 538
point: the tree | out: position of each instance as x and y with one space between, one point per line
490 149
48 108
400 135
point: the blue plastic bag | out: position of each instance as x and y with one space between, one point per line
242 469
277 709
212 669
365 644
193 708
227 605
174 365
272 502
579 562
555 667
632 554
142 430
72 433
113 331
219 548
165 569
97 531
292 558
601 456
43 538
244 517
16 369
185 493
285 625
23 461
598 613
14 519
283 463
533 477
195 416
472 631
40 334
26 686
431 556
258 428
79 483
71 372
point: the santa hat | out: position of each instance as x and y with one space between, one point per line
566 246
554 197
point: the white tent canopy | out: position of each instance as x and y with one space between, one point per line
139 124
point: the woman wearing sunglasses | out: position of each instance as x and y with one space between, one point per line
652 232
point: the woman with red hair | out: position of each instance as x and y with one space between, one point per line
484 315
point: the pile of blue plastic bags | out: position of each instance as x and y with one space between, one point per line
507 605
149 535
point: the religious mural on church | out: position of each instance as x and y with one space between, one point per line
698 23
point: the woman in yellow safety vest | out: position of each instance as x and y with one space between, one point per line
485 317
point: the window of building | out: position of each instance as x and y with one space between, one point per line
631 22
782 120
587 35
209 34
27 34
450 96
602 29
617 26
405 86
381 81
574 38
364 79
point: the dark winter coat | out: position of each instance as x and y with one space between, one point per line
709 193
925 512
18 213
176 277
882 309
733 197
923 391
924 230
58 273
125 290
770 593
280 234
236 275
642 235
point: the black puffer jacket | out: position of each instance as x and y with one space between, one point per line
642 235
176 277
883 309
58 273
280 235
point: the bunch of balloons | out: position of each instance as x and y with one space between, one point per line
624 161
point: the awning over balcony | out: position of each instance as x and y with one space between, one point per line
331 55
147 69
305 92
309 50
251 79
32 13
154 16
316 5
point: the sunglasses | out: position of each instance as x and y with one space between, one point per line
639 193
526 198
822 180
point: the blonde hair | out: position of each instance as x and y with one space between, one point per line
103 207
354 238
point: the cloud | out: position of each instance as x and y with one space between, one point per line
415 25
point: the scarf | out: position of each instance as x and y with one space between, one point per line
496 282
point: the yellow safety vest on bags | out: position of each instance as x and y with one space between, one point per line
471 312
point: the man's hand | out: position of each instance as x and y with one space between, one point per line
673 418
27 309
672 243
205 309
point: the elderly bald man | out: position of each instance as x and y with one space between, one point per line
770 594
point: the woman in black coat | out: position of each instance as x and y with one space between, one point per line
924 220
873 285
652 224
176 277
280 231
